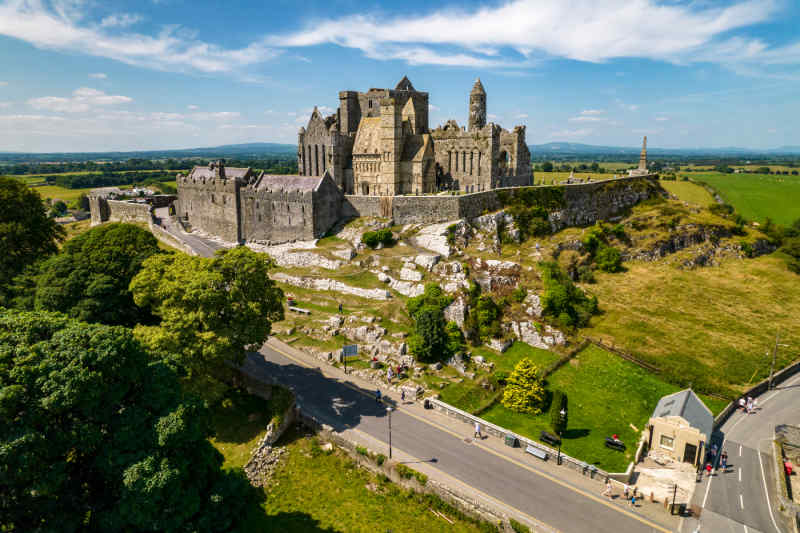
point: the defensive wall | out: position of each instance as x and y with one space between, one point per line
582 204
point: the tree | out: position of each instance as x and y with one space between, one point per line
89 278
524 391
608 259
27 234
211 310
558 421
429 342
563 300
96 436
547 166
58 209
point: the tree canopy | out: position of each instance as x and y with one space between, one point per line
27 234
211 310
524 390
89 278
97 436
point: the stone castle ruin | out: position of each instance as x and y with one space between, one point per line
377 157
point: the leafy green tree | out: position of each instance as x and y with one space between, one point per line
89 278
211 310
96 436
430 340
563 300
487 315
547 166
558 421
455 338
608 259
27 234
524 390
433 296
58 209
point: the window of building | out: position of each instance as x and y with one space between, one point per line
667 442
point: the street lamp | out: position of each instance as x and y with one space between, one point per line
389 412
563 413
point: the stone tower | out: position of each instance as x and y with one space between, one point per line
643 156
391 146
477 107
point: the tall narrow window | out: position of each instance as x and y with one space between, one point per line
324 161
479 163
316 160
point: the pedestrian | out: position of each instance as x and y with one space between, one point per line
607 491
378 395
340 308
724 458
389 374
713 452
708 469
633 498
741 403
625 491
402 395
478 431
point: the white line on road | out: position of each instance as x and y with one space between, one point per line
710 479
741 501
764 479
740 475
745 529
740 450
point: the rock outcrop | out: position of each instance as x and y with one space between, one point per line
325 284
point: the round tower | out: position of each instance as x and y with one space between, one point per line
477 107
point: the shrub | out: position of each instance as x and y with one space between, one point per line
361 450
501 376
517 527
722 210
619 232
524 390
407 473
429 341
609 259
373 238
519 294
747 248
487 317
451 234
586 274
380 459
563 300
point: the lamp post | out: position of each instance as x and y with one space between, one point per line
563 413
389 412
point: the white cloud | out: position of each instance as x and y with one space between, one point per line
662 119
3 83
593 111
522 115
598 31
82 100
217 115
586 118
121 20
627 107
62 26
570 134
191 106
98 75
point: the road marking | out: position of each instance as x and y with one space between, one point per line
740 474
710 478
510 460
741 501
740 450
533 519
745 529
766 492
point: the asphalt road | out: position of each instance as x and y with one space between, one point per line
738 498
342 407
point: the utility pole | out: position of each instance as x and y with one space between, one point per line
774 355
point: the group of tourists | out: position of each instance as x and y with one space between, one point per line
711 457
629 493
748 405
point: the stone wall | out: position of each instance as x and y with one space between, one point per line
211 206
120 211
584 203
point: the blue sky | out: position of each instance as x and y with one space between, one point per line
86 75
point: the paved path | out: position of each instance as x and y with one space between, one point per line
203 247
555 498
737 500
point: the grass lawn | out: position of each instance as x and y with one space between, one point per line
688 192
61 193
507 360
758 196
709 326
606 395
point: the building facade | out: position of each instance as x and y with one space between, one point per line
378 143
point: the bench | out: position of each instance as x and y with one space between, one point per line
615 444
536 452
299 310
549 438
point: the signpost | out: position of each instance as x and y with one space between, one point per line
348 350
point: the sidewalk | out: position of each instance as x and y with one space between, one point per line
581 484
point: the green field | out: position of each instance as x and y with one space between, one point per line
317 491
607 395
688 192
60 193
758 196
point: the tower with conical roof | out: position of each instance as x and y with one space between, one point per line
477 107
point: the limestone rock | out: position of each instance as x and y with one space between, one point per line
436 366
434 237
409 274
500 345
406 288
336 321
324 284
367 334
456 312
427 261
345 253
528 333
533 305
383 277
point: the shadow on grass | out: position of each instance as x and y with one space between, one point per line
576 433
257 522
240 416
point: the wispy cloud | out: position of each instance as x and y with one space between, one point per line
121 20
65 26
98 75
191 106
80 101
3 83
593 111
571 134
535 29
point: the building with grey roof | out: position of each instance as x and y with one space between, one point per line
681 426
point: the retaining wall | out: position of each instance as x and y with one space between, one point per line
120 211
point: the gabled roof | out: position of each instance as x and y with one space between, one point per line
368 138
288 182
404 85
478 87
230 172
687 405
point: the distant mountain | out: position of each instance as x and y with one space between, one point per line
577 149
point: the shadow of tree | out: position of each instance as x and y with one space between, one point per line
575 433
239 416
286 522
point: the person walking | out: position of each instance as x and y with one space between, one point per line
742 404
626 491
478 431
633 498
724 458
402 395
389 375
607 491
378 395
708 469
